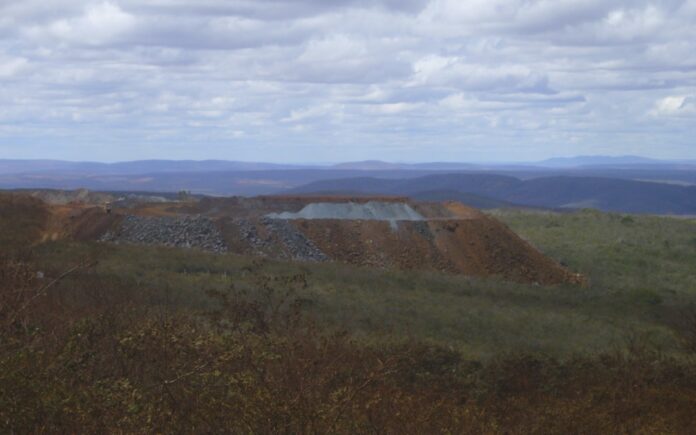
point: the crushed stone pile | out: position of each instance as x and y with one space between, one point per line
185 232
297 244
249 234
447 237
373 210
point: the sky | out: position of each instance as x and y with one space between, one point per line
342 80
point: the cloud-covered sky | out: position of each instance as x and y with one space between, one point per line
338 80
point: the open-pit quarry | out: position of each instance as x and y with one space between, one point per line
384 232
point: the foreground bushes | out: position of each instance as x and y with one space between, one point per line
89 358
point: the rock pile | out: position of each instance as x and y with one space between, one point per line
299 246
372 210
249 234
184 232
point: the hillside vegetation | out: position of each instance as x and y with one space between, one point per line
640 272
23 220
146 339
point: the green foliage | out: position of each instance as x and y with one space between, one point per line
647 296
649 251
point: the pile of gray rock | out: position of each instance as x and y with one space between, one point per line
200 232
183 232
248 233
299 246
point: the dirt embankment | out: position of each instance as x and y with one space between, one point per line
377 232
475 247
438 236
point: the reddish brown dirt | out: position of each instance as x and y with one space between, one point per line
485 247
456 239
373 243
460 211
477 247
91 223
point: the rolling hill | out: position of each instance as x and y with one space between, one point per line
627 184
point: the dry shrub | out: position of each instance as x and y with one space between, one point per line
256 364
23 220
688 328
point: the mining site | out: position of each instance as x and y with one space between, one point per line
379 232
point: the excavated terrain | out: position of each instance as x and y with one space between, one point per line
384 232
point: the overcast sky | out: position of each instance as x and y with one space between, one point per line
339 80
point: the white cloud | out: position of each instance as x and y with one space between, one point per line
101 23
346 76
313 113
455 72
393 108
12 66
674 106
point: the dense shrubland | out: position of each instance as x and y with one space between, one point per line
79 354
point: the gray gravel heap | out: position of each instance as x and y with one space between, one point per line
372 210
300 247
248 233
184 232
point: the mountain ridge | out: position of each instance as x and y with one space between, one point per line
22 166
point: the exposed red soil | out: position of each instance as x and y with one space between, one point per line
92 223
477 247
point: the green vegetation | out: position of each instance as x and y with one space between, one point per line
641 276
164 340
617 252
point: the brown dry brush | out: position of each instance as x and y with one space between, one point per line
687 325
256 364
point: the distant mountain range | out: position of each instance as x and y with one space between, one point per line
378 165
599 161
613 162
169 166
630 184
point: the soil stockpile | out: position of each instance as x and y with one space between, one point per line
376 232
476 247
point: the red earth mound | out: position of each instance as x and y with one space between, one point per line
450 237
480 247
